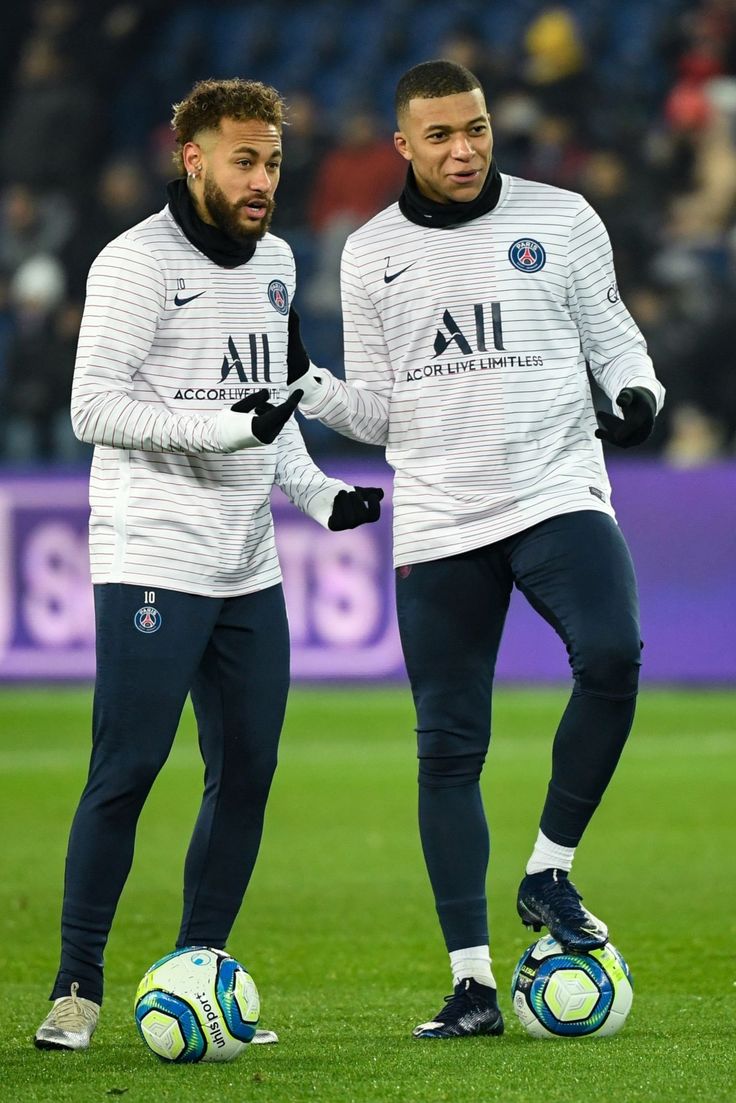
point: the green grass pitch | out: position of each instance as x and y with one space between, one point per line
339 928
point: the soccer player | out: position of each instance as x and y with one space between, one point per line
183 341
476 311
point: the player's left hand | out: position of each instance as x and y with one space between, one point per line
355 507
268 420
639 409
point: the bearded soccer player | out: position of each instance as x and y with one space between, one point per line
476 311
183 343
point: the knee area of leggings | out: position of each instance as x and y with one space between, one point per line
125 774
448 771
610 666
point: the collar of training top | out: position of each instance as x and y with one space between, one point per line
216 245
426 212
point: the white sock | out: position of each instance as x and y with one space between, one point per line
549 855
472 961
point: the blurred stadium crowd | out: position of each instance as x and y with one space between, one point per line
633 104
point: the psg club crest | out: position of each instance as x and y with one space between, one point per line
147 620
527 255
278 296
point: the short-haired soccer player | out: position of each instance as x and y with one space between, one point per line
476 311
182 344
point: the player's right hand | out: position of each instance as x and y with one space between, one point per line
254 420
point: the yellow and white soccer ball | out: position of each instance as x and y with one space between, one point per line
197 1004
571 995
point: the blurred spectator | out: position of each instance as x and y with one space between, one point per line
357 179
39 365
100 41
556 60
695 438
555 154
161 147
466 47
49 139
32 224
711 375
305 146
58 19
123 197
628 209
514 116
694 247
671 342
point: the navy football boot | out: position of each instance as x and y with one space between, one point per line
550 899
470 1010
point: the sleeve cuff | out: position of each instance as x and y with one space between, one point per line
321 504
654 387
313 384
234 430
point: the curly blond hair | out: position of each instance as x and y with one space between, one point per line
211 101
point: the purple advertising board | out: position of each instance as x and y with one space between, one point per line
680 526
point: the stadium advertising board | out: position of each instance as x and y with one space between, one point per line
339 586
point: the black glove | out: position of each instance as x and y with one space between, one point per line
355 507
297 359
640 410
269 420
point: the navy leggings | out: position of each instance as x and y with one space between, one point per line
232 654
576 571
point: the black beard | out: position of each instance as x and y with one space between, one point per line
225 215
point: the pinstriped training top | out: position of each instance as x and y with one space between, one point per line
466 354
168 339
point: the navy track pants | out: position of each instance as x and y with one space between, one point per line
232 654
576 572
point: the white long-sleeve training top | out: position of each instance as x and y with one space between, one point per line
466 354
168 339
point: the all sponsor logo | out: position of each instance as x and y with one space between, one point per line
451 333
252 368
477 347
257 365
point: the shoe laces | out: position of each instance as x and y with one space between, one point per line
561 894
72 1012
459 1000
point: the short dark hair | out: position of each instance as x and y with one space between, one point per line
211 101
432 79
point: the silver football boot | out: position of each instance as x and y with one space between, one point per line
264 1038
70 1023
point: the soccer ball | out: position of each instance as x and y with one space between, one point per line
197 1004
571 995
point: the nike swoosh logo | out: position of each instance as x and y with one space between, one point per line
183 302
389 278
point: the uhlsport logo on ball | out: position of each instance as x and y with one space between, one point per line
197 1004
557 994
